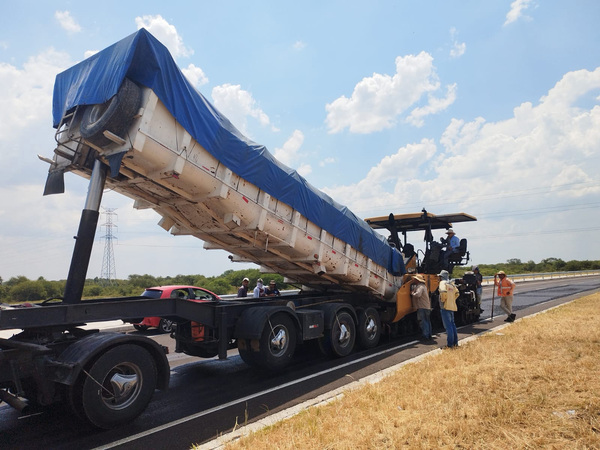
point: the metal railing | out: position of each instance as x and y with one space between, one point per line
544 275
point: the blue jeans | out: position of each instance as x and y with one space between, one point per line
450 326
424 318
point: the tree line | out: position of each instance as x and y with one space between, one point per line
21 289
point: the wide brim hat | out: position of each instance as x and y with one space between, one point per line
419 278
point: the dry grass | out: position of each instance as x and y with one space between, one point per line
535 384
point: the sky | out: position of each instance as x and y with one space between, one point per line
489 108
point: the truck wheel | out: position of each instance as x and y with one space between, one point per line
369 328
117 387
114 115
165 325
277 343
339 340
246 353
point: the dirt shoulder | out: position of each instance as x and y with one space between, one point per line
531 384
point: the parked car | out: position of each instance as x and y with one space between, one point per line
166 292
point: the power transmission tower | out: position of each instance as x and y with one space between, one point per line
108 274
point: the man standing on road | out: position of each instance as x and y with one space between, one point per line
448 295
506 288
421 301
478 284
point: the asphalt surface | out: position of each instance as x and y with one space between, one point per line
208 398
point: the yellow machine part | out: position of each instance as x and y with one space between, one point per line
404 304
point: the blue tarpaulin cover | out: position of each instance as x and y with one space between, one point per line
143 59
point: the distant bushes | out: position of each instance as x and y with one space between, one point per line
21 289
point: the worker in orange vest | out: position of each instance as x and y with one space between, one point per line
506 288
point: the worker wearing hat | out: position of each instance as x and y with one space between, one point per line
422 303
452 246
272 290
448 295
478 283
259 290
243 290
506 288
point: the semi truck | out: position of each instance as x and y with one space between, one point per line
127 119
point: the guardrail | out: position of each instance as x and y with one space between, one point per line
544 276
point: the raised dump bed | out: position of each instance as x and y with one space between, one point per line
170 150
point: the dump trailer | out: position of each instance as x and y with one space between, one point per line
127 119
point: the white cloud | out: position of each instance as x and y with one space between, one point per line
328 160
517 11
304 170
89 53
378 101
393 181
195 75
165 33
26 94
458 48
289 151
434 105
299 45
237 105
540 161
67 22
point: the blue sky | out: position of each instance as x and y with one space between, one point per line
489 108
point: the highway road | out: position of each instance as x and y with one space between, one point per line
208 398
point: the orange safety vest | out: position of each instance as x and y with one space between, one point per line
505 287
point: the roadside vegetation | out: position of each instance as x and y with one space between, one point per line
21 289
531 384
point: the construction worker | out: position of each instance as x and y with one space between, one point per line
272 290
422 303
448 295
243 290
259 290
506 288
478 284
452 244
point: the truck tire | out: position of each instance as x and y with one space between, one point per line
277 343
165 325
246 353
369 328
114 115
338 341
117 386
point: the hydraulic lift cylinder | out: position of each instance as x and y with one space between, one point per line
85 235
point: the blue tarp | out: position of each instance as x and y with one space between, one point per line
143 59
